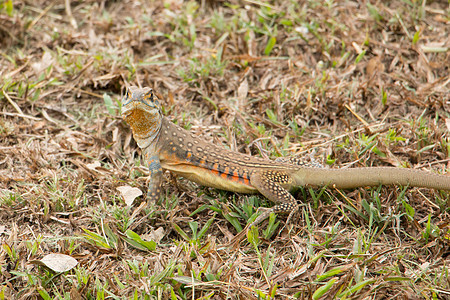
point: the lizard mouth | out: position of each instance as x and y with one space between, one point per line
135 106
126 108
125 113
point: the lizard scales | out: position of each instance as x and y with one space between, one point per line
166 145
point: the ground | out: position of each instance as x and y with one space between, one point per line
344 83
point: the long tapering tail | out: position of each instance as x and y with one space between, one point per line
360 177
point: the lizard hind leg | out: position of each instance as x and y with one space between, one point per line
270 183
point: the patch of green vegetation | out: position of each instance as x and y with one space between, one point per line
59 197
10 198
8 7
183 25
203 68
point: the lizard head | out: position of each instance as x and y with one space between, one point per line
142 111
141 99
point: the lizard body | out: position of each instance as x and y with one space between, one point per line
166 145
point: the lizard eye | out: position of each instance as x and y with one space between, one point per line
127 93
149 95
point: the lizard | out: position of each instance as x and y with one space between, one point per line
167 146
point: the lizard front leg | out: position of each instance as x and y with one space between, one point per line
155 177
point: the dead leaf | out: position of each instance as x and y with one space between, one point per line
129 193
447 123
374 66
74 294
3 230
302 30
265 79
242 93
243 89
46 61
57 262
39 125
155 235
94 165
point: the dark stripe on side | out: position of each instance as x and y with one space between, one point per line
220 169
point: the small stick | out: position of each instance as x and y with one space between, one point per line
73 22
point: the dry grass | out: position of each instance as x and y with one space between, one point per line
347 83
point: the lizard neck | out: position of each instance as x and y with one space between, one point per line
145 126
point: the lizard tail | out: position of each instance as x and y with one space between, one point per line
360 177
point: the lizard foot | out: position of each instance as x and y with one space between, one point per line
289 218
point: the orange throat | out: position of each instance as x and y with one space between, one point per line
142 124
